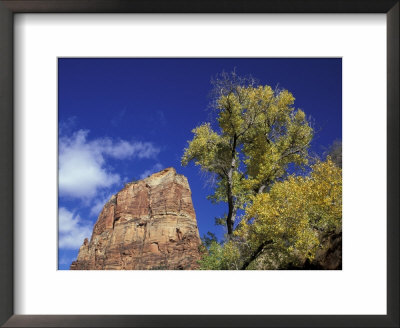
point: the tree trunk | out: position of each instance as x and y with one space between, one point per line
231 202
229 219
261 189
256 253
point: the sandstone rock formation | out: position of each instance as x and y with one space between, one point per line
148 225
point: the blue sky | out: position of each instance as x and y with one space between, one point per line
122 119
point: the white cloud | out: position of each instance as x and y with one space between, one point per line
124 149
155 168
66 260
98 205
72 231
82 163
66 126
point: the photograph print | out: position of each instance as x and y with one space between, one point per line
199 163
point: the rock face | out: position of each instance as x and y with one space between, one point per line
148 225
330 257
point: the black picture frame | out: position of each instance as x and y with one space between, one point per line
10 7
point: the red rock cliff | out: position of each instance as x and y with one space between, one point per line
150 224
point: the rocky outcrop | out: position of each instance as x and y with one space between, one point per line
150 224
329 257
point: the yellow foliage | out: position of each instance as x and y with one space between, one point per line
259 134
295 211
205 148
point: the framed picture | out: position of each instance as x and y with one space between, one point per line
100 111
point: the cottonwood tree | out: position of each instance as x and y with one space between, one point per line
283 226
258 133
335 152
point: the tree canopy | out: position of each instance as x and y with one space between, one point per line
284 226
258 134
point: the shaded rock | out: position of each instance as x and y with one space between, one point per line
329 257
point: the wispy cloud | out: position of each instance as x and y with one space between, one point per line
98 204
155 168
83 167
72 231
118 118
66 260
160 117
66 126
